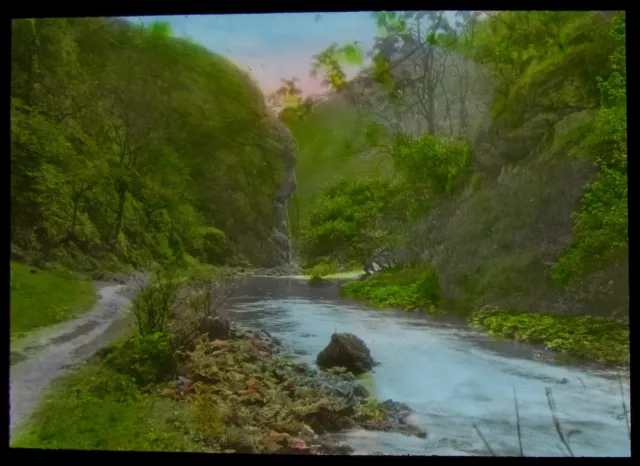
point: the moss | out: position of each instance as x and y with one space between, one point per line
601 339
405 288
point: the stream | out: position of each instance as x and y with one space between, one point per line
451 376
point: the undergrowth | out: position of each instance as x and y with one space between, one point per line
101 408
405 288
601 339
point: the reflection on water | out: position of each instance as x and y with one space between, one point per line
451 376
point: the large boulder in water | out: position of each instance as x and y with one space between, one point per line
346 350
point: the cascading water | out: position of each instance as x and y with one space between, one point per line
282 141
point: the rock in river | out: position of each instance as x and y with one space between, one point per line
346 350
216 328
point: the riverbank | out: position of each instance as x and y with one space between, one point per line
603 340
451 376
237 395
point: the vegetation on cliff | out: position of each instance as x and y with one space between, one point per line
526 210
130 146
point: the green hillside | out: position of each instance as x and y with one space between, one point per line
131 146
323 155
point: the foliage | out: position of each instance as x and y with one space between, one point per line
543 60
128 143
211 246
46 297
588 337
345 224
146 359
601 224
431 167
330 61
154 304
405 288
323 268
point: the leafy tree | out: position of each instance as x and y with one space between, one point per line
128 143
347 223
601 225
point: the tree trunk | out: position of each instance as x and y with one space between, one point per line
431 110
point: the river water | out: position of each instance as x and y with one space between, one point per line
452 377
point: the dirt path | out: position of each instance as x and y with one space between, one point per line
51 354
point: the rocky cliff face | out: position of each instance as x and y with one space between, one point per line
281 140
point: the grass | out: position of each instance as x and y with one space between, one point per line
45 298
99 408
111 403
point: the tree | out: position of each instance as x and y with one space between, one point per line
128 144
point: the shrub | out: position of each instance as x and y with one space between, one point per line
145 358
601 225
211 245
404 288
153 306
432 165
587 337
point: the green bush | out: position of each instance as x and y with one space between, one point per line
210 245
601 225
146 359
430 165
323 268
404 288
153 306
344 224
586 337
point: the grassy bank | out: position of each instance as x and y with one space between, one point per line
45 298
584 337
99 408
234 395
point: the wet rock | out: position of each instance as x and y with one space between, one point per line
216 328
360 391
301 352
331 447
399 420
346 350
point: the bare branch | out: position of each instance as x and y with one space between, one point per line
556 422
486 444
624 406
515 399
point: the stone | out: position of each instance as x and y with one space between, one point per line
346 350
216 328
